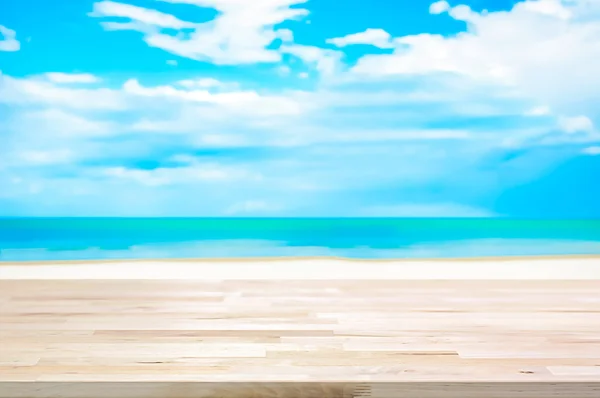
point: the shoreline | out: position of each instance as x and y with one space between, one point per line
539 268
551 257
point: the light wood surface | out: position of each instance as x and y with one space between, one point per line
342 338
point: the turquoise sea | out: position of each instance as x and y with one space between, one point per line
29 239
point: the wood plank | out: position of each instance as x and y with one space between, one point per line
294 338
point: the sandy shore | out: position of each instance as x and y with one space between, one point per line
559 268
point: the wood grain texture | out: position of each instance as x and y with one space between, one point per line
345 338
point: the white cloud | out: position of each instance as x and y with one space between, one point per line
40 157
285 35
552 8
8 39
398 121
538 111
374 37
284 70
143 16
544 50
327 62
61 123
593 151
239 34
439 7
59 77
319 136
206 82
172 62
330 150
333 139
194 172
32 91
204 126
576 124
247 102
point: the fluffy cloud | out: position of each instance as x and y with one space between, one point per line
326 61
8 40
374 37
292 148
59 77
538 111
189 174
61 123
439 7
576 124
240 34
247 102
206 82
546 50
142 18
592 150
40 90
442 116
39 157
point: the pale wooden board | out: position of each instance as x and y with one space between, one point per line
306 389
179 339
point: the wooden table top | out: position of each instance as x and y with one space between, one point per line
297 338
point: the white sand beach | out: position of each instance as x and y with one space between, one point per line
534 268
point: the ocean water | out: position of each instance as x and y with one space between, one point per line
30 239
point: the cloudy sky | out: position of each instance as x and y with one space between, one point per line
300 108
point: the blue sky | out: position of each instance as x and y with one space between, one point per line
300 108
